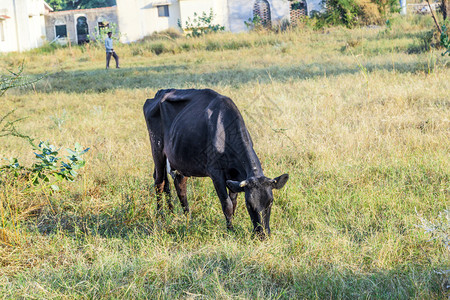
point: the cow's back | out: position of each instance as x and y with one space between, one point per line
196 128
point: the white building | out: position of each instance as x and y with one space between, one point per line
139 18
22 24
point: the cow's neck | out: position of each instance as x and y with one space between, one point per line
251 166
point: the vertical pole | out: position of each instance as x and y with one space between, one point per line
17 26
403 7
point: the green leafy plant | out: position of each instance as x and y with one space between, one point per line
351 13
14 79
59 120
49 168
201 25
254 23
100 34
445 41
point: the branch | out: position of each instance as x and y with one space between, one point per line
434 17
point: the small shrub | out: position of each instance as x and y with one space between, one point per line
424 42
137 51
236 44
283 26
445 41
59 120
356 12
158 48
213 46
254 23
369 13
185 46
168 34
50 168
201 25
47 48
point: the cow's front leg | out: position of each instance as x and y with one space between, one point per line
233 197
225 200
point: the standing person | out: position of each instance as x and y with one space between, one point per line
110 51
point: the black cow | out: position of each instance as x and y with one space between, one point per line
201 133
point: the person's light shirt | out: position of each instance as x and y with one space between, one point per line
109 44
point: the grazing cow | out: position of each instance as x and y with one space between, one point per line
202 133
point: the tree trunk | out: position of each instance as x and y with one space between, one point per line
445 8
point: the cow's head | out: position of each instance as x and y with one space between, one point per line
258 198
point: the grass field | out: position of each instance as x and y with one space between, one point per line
358 118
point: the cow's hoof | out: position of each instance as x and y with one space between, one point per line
259 234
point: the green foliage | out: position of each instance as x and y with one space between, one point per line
355 12
339 12
100 34
50 168
201 25
79 4
254 23
387 6
445 41
15 79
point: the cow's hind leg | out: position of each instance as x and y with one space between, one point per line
180 186
167 192
160 176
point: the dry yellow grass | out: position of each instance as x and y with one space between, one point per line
363 132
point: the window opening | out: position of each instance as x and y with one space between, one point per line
82 30
61 30
261 10
298 11
163 10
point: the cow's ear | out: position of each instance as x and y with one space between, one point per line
235 186
279 182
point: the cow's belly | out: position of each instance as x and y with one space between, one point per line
186 149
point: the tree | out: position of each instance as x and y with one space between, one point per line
445 8
79 4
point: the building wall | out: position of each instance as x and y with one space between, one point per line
139 18
8 40
69 18
314 5
218 7
240 11
23 24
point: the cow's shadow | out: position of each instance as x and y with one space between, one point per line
134 218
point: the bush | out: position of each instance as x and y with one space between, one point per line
369 13
169 34
157 48
425 41
356 12
201 25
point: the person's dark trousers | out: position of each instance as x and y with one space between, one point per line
108 58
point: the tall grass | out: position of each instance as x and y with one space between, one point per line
360 163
